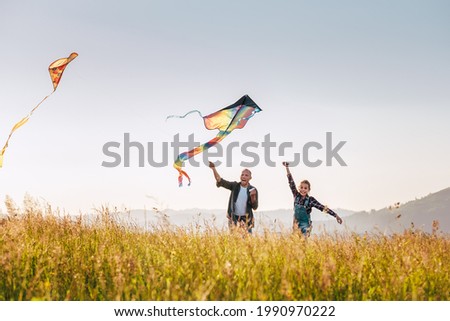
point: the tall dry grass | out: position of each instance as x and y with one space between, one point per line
48 256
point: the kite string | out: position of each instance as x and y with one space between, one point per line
19 124
32 111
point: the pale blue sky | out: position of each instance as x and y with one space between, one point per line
374 73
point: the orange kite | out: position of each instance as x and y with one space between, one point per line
56 70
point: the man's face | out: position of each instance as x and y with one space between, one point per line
245 176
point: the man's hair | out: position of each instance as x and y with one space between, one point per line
247 170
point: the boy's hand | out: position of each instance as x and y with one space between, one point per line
211 165
338 219
286 164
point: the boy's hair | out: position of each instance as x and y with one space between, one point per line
305 181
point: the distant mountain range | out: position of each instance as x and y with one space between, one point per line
419 214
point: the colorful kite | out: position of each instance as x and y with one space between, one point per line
56 70
225 120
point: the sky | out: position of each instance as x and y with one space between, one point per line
374 74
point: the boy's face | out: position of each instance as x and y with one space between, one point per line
303 189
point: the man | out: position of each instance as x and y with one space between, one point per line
243 199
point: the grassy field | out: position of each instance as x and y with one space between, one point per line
46 256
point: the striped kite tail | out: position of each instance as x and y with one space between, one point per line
186 155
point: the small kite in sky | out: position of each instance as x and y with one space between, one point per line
56 70
225 120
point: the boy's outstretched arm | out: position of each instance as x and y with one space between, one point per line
315 203
290 180
286 164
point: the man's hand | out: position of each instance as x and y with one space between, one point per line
216 175
253 195
338 219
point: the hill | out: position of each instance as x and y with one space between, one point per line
419 213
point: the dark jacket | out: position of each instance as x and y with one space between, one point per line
234 187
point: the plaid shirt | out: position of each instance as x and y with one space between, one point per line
299 201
